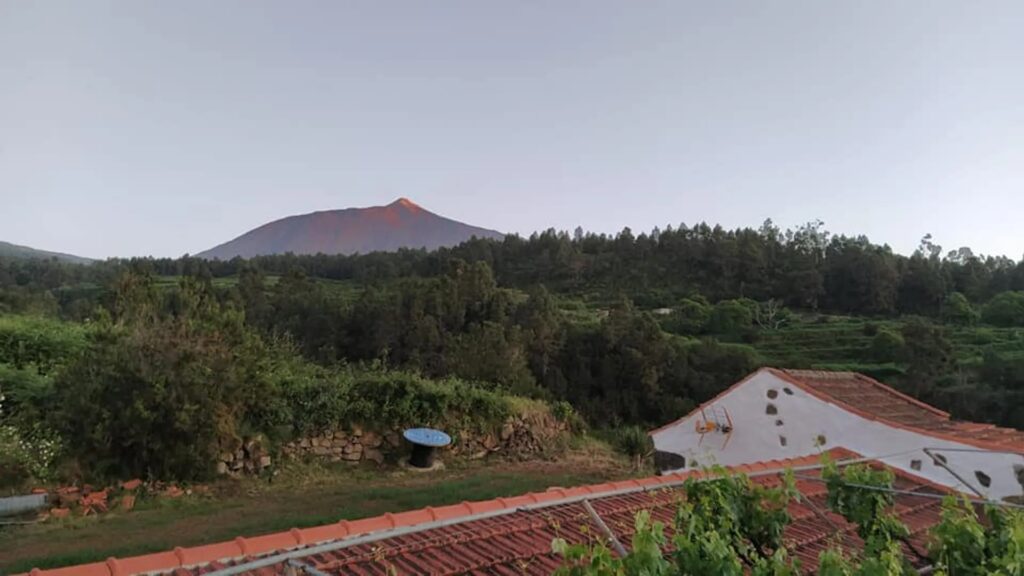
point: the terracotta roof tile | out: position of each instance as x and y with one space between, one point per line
870 398
515 538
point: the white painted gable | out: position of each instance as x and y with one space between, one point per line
773 419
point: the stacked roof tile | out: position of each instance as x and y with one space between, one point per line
513 535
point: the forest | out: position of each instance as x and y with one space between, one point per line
618 329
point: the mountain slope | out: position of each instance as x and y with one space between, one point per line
401 224
8 250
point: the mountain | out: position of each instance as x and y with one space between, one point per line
401 224
8 250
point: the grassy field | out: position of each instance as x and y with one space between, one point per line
302 496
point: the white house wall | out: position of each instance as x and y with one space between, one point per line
804 418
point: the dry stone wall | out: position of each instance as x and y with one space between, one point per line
520 437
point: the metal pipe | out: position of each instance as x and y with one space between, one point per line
911 492
941 462
616 545
306 568
979 450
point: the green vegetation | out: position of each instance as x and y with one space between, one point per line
184 348
164 379
731 526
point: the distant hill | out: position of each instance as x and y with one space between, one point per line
401 224
8 250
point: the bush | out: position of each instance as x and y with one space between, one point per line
565 413
1005 309
392 400
39 342
690 318
28 395
25 457
886 346
634 442
159 396
731 318
957 310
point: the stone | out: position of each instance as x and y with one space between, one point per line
222 468
227 456
131 484
340 435
507 430
371 440
394 439
315 441
351 456
240 455
357 430
264 461
304 443
321 450
127 503
489 442
373 455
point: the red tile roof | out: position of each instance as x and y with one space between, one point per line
870 398
515 538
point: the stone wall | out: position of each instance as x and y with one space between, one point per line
353 445
523 436
519 437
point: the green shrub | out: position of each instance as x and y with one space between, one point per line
957 310
565 413
690 318
886 346
39 342
731 318
160 394
389 400
27 456
634 442
1005 309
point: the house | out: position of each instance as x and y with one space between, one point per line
514 535
777 414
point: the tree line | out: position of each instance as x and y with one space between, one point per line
805 268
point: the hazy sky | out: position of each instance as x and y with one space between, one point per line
132 128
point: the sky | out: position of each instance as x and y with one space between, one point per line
167 127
